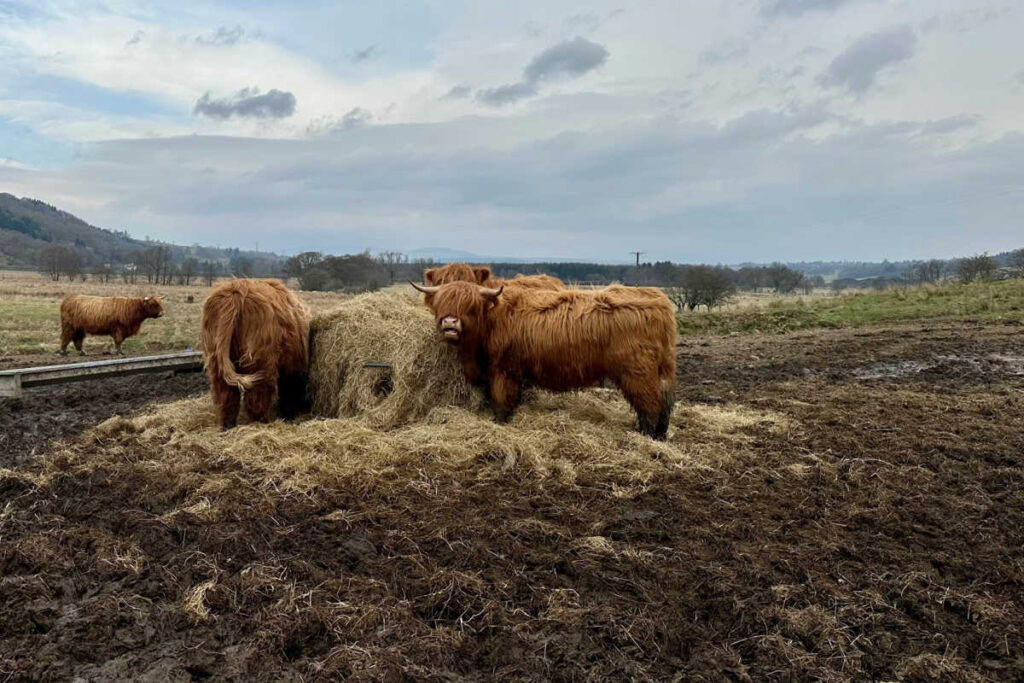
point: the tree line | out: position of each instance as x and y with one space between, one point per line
690 286
154 265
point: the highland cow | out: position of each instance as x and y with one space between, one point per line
481 275
255 336
561 341
119 316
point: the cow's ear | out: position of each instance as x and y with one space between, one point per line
428 276
483 274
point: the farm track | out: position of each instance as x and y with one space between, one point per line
882 539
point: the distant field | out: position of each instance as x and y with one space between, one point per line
30 304
949 301
30 313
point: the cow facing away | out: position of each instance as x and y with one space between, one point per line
563 340
255 336
481 275
119 316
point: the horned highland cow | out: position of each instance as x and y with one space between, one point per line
563 340
119 316
255 336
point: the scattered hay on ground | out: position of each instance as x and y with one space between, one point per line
551 435
385 327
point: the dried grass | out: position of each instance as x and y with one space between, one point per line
552 435
390 327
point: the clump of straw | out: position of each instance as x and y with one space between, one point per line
384 327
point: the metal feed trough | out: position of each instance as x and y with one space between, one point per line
13 381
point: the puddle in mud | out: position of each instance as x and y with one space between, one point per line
994 363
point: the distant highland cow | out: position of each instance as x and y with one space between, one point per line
563 340
255 336
119 316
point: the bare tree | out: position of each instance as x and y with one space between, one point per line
60 260
702 286
976 268
189 269
782 278
929 271
298 265
50 262
210 269
103 272
392 261
811 282
241 267
1016 261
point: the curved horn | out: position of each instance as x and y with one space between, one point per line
426 289
491 293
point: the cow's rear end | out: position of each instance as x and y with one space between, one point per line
255 338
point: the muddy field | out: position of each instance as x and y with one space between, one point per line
878 536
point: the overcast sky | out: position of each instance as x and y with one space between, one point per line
693 131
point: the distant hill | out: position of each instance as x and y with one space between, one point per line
27 226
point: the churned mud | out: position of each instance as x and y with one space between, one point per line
878 536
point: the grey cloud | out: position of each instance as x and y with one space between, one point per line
224 36
798 7
366 53
136 38
1019 77
353 118
950 124
356 116
856 68
568 59
247 103
458 92
506 94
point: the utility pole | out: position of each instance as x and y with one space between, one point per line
638 253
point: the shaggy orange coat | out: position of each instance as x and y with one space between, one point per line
566 340
255 336
119 316
463 272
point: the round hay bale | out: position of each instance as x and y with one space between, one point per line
384 327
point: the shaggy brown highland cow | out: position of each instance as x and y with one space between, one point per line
119 316
563 340
255 336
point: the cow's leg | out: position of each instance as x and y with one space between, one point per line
504 396
259 399
78 338
292 397
66 335
228 399
652 404
118 334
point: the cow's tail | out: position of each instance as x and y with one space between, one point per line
223 331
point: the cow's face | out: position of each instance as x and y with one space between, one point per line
459 308
152 306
